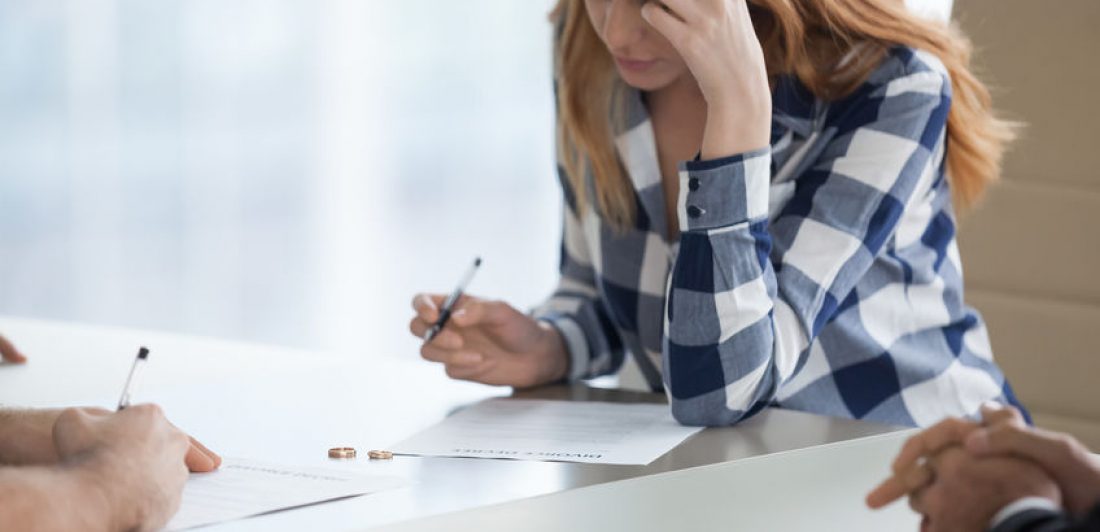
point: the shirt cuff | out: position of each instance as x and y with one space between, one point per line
575 343
723 192
1023 505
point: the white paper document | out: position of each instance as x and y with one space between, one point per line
242 488
521 429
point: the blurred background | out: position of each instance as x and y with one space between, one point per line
277 171
291 172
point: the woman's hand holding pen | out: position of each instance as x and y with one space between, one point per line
717 40
491 342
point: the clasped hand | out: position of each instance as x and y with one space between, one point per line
957 474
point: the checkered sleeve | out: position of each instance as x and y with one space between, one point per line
574 309
748 296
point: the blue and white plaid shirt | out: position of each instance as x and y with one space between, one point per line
820 274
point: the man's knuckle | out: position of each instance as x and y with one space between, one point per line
151 410
1070 448
69 415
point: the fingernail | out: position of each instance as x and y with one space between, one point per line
428 301
977 442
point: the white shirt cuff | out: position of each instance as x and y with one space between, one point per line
575 343
1020 505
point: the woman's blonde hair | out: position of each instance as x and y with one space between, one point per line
803 38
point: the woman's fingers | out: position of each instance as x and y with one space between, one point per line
470 372
432 353
418 327
482 312
665 22
446 338
8 352
458 363
689 11
451 357
427 306
471 313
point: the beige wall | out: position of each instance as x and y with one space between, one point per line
1031 251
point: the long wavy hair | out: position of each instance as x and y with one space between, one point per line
803 38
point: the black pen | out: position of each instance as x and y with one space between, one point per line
449 304
139 361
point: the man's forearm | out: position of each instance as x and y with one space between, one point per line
26 436
41 498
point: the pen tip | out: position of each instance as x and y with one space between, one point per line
143 353
477 261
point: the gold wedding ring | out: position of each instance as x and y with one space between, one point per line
341 452
379 455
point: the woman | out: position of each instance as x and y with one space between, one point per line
803 256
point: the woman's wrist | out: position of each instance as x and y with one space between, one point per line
553 354
738 122
733 129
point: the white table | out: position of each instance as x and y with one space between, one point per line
819 488
290 406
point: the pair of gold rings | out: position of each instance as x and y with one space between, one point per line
349 452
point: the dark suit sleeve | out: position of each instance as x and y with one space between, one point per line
1035 520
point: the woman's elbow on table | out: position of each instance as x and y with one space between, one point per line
711 410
